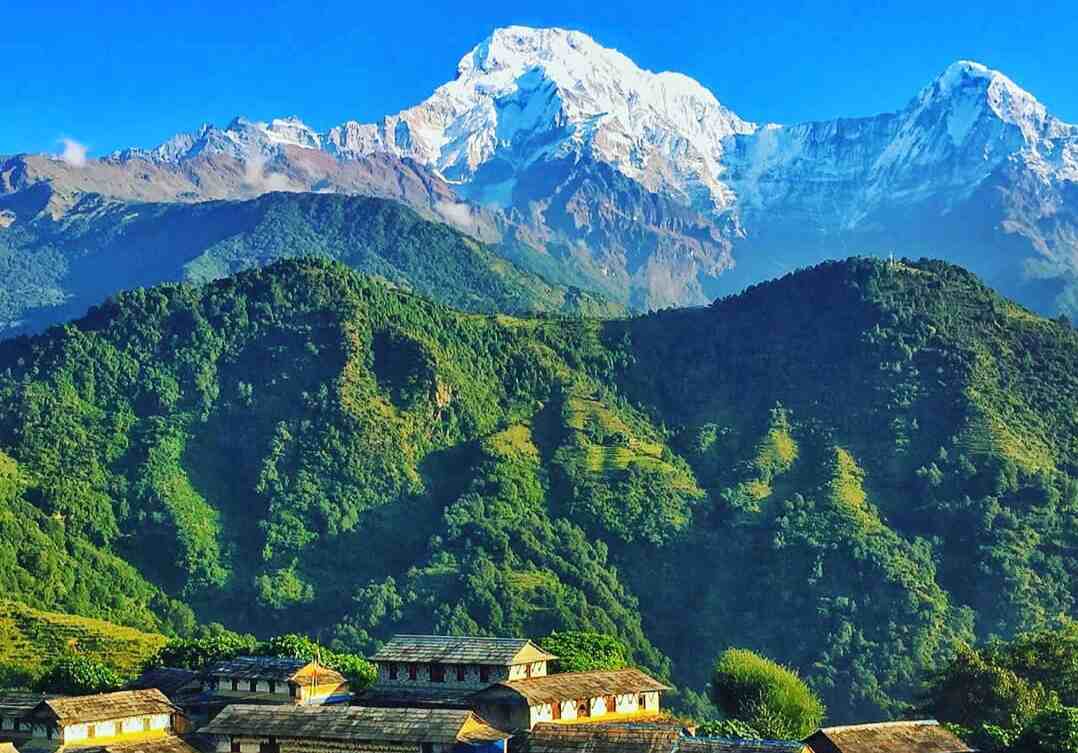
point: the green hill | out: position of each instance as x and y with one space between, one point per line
29 638
849 469
55 270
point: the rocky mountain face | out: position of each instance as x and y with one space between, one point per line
643 185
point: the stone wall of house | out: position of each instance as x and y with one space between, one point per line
114 728
628 703
472 676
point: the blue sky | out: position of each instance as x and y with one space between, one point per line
125 73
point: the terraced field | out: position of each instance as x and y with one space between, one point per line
30 638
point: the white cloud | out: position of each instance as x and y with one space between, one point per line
457 214
256 177
74 153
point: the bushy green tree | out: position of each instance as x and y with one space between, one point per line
76 674
582 651
770 698
1053 730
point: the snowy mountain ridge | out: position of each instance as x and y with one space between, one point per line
525 96
647 186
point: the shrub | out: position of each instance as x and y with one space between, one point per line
581 651
767 696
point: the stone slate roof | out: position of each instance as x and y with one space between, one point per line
15 703
169 680
353 724
568 686
419 697
168 744
447 649
598 738
269 668
925 736
105 706
733 745
613 737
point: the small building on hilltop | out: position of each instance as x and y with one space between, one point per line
439 671
620 694
322 729
271 679
103 719
14 706
925 736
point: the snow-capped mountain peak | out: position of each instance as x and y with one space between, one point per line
971 90
525 95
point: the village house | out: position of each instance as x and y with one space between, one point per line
620 694
303 729
178 685
443 671
14 706
925 736
269 679
97 720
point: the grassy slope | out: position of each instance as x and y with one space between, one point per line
29 637
848 469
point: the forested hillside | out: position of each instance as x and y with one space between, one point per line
53 270
849 469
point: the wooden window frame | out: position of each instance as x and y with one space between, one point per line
436 672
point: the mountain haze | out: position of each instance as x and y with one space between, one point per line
55 269
579 164
891 470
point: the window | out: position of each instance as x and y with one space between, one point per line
235 684
392 667
235 745
413 671
460 673
273 686
583 708
642 701
527 670
484 673
253 685
437 673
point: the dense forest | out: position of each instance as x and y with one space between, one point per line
53 270
854 470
